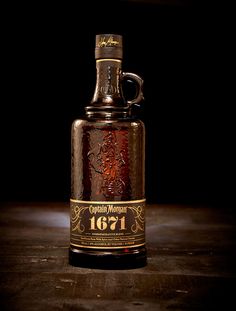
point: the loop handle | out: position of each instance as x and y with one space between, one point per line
139 87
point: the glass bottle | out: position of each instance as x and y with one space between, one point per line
107 206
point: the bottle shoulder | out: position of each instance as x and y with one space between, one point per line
94 122
79 122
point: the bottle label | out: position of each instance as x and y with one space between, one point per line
116 224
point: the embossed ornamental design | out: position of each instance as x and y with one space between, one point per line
107 160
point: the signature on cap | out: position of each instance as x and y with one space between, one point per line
105 42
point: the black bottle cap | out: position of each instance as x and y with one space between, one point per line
108 46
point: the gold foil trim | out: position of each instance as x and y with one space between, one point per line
108 59
108 202
106 247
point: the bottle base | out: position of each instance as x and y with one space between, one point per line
108 260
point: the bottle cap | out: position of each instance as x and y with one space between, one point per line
108 46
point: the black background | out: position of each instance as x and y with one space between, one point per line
49 76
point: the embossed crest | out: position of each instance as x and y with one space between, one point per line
107 160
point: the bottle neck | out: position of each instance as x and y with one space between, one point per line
108 81
108 99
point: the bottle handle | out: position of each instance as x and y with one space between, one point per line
139 88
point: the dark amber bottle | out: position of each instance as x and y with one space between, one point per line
107 208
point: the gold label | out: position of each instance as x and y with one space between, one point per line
116 224
105 42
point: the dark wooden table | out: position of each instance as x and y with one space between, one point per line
191 263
